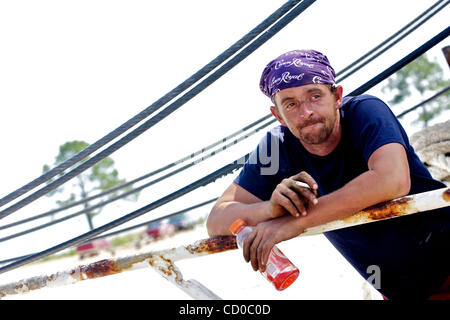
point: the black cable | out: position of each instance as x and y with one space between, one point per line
128 228
204 203
129 192
167 111
88 235
101 204
401 63
155 106
423 102
389 39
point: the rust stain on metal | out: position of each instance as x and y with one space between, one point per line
170 267
388 209
383 210
96 270
169 263
167 268
23 286
213 245
446 195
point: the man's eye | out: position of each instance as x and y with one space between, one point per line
315 96
290 105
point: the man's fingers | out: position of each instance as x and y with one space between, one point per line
247 245
292 202
305 191
283 198
306 178
263 254
254 251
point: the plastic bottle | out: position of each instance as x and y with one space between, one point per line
280 271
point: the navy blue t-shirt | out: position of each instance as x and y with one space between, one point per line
411 252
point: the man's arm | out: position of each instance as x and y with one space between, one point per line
387 178
236 202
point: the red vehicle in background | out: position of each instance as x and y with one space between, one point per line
155 231
93 248
159 229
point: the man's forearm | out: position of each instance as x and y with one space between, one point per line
225 213
367 189
363 191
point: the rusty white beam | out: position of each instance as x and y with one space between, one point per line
163 261
170 272
403 206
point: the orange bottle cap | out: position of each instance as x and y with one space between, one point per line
235 226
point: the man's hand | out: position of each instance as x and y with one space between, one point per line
290 196
265 235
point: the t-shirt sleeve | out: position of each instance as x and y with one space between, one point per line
372 125
260 174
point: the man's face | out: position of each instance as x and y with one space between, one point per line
310 111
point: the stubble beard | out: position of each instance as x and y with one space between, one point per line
320 137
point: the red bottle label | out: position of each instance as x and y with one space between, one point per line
277 262
280 271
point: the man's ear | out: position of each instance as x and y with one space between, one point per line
275 113
339 95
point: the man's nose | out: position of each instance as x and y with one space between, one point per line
305 110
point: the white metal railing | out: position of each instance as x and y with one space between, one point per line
163 261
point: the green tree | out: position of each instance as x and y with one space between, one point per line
424 77
98 178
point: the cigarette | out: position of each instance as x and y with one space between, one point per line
302 184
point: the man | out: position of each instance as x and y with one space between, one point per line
353 153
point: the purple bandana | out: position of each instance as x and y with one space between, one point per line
296 68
